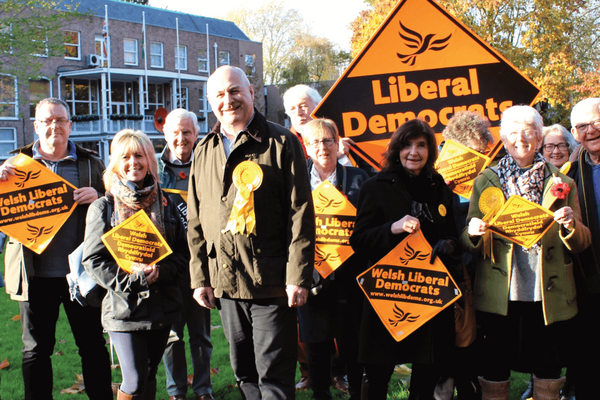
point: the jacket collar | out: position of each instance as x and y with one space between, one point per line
256 129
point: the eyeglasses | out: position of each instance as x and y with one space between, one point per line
528 134
326 142
550 147
48 122
585 128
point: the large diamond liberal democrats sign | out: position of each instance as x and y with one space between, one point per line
421 62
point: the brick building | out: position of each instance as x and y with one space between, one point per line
181 51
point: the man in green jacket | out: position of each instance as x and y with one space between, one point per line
251 172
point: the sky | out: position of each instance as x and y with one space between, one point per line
331 20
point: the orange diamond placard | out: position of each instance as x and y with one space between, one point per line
136 241
334 222
34 203
405 290
420 63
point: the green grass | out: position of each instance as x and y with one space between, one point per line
66 362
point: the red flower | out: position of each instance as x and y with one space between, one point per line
182 175
560 190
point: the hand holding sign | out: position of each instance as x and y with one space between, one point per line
564 216
6 171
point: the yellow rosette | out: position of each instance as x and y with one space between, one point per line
247 177
490 201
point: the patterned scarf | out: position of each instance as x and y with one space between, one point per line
129 199
528 184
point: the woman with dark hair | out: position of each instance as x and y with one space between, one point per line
139 307
408 195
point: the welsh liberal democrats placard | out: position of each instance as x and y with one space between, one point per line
34 203
334 222
405 290
421 63
136 241
522 221
460 165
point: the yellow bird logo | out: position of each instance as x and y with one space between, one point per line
321 257
411 254
325 203
414 40
25 176
401 316
37 232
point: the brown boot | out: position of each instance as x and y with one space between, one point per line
125 396
547 389
491 390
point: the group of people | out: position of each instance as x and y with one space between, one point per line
243 242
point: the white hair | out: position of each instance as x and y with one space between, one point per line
295 93
180 114
521 114
583 107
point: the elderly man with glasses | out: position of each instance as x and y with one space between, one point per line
585 122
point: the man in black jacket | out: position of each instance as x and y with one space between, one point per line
39 282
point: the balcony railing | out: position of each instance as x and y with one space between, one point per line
113 126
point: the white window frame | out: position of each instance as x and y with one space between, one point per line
134 52
222 53
15 102
181 59
100 39
45 41
155 54
13 142
203 60
76 45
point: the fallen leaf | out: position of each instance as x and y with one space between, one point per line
190 379
115 366
62 341
215 371
16 318
403 372
59 353
4 364
78 386
214 327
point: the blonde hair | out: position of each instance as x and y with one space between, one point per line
125 142
316 126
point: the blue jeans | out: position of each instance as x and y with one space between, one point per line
197 319
139 354
263 347
38 319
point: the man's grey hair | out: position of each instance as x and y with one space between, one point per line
583 107
53 100
180 114
293 94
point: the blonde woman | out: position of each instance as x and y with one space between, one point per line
139 307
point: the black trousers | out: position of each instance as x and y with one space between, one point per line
38 319
262 336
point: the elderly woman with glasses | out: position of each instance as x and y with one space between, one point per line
525 297
333 313
557 144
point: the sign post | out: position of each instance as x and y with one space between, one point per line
421 63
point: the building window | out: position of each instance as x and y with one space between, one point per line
38 90
204 108
101 51
181 58
156 97
183 102
202 60
8 142
223 58
250 61
72 45
6 33
130 51
9 102
40 45
82 96
156 55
